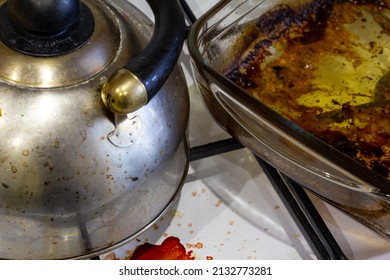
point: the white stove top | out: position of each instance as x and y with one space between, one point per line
228 208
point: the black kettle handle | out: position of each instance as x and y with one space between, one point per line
133 86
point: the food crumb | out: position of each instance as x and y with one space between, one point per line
297 236
198 245
111 256
169 249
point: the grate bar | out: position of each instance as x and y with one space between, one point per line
187 10
215 148
305 215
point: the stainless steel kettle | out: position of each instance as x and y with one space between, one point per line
93 118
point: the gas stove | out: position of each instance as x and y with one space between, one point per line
233 206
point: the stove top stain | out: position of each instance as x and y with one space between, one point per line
170 249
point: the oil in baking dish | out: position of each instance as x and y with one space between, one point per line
351 66
321 68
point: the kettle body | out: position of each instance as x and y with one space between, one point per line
77 179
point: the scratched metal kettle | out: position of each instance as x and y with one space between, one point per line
93 120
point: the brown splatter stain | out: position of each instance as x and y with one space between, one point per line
198 245
4 159
83 135
218 204
90 123
193 194
57 144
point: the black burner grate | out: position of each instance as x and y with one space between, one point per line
293 195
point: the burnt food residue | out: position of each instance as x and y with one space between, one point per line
319 67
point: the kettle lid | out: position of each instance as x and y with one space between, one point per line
58 44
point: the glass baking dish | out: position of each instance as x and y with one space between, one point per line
215 41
